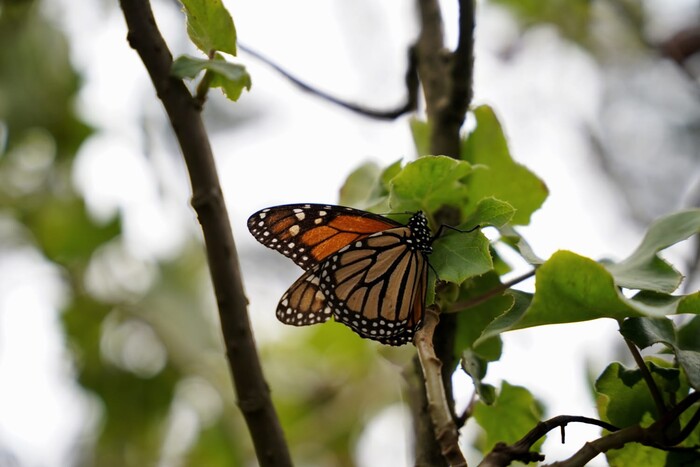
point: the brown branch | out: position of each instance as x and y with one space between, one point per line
411 80
648 378
654 436
438 69
478 300
184 114
446 77
503 454
443 423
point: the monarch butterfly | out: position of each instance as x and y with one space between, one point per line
367 271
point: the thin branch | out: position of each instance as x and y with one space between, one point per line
184 114
603 444
648 378
654 435
411 80
445 430
503 454
478 300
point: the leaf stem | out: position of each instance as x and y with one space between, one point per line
411 80
460 306
648 378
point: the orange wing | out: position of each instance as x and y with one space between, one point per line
309 233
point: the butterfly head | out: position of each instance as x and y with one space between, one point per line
418 224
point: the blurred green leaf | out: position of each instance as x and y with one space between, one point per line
428 183
215 447
210 26
64 230
495 174
572 17
644 269
688 334
361 188
514 404
420 129
475 367
38 85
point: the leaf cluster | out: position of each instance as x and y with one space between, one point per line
485 187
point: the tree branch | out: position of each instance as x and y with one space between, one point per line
184 114
502 454
648 378
443 423
438 69
411 80
459 306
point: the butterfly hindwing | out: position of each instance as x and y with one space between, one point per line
376 286
304 304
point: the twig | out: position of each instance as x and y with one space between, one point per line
411 81
654 435
648 378
503 454
183 112
445 430
490 294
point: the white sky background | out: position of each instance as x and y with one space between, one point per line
300 149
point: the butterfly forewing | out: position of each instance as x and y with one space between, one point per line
309 233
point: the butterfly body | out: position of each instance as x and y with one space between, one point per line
367 271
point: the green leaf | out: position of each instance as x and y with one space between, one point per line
635 454
461 255
420 129
623 397
361 186
495 173
231 77
514 404
490 211
688 334
508 320
645 332
472 321
572 288
428 183
644 269
512 238
571 17
367 187
210 26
